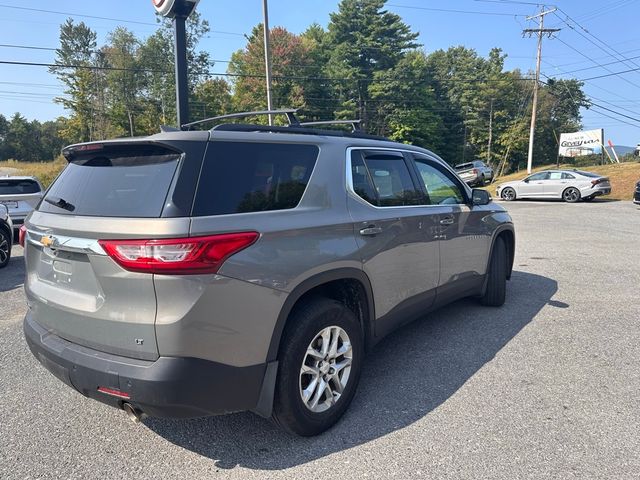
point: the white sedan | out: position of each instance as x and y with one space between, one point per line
568 185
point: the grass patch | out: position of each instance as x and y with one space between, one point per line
46 172
623 177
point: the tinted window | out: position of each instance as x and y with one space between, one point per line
11 186
390 180
253 177
539 176
362 183
124 182
567 176
442 189
588 174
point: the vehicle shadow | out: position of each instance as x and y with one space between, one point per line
407 375
12 276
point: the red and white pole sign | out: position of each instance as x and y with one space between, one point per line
172 8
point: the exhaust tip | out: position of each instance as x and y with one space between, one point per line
135 415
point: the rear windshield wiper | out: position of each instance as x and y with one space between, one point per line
60 203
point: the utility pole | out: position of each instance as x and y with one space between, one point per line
267 56
540 32
464 140
490 133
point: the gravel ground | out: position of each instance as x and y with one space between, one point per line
545 387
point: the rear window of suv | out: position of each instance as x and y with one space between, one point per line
15 186
242 177
121 181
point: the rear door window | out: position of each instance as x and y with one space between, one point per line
383 179
120 181
14 186
240 177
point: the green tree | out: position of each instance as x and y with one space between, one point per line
404 104
156 61
74 59
289 67
124 79
363 39
211 98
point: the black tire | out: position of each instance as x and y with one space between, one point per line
495 293
5 247
307 321
571 195
508 194
482 181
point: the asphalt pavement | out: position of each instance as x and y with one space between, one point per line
547 386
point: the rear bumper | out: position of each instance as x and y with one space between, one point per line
167 387
597 192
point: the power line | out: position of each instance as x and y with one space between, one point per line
611 74
616 52
597 63
95 17
241 75
446 10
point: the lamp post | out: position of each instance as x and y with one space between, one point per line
179 11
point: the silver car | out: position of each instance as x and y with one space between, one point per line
568 185
20 195
248 267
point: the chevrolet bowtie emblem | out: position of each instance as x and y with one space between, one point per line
47 241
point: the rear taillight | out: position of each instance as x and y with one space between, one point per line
475 171
22 235
178 256
598 180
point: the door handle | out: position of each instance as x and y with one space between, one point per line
370 230
447 221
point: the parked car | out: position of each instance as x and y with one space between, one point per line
20 195
248 267
474 173
6 236
568 185
636 194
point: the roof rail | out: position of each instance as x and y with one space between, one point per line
294 129
355 124
289 112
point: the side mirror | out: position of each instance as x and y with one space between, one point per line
526 180
480 197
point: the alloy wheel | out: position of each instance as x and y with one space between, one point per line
325 369
508 194
571 195
4 248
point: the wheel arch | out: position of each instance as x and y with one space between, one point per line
507 233
336 284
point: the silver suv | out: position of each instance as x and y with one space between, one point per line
248 267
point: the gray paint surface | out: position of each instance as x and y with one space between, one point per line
544 387
87 298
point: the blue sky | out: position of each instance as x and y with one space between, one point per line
603 32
